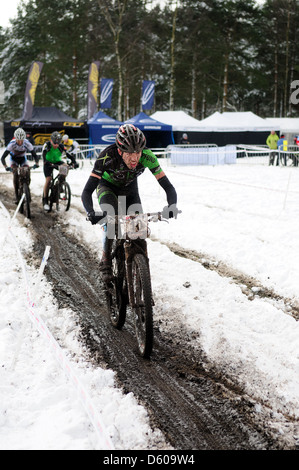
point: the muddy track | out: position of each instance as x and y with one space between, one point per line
250 286
194 407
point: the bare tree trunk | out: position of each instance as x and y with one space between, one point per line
275 81
286 85
275 96
105 7
193 88
172 61
292 55
203 106
75 97
126 97
225 84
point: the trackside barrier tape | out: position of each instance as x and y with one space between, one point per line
103 437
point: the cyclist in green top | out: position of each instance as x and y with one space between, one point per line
52 152
114 177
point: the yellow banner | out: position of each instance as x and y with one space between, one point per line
34 77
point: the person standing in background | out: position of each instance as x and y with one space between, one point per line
282 146
70 145
184 140
272 144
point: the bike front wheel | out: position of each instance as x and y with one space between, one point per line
64 199
116 294
142 307
53 195
25 206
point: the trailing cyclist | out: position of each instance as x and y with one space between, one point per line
17 149
52 154
114 177
70 145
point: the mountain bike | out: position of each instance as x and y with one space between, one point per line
23 187
131 282
60 190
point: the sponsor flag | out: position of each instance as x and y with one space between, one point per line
93 82
106 92
32 81
148 93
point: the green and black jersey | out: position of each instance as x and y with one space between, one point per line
54 155
120 179
111 167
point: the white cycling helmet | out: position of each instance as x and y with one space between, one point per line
65 137
20 134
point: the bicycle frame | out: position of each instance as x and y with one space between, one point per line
62 173
131 282
134 229
58 182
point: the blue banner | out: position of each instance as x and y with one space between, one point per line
148 93
106 92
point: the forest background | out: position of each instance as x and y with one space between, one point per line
204 56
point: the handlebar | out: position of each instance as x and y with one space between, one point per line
104 217
57 166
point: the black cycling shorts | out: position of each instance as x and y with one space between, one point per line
48 168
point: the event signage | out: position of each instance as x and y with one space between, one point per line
93 82
32 81
148 93
106 92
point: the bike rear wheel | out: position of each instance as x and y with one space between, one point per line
142 308
116 295
64 200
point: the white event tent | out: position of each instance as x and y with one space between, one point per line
286 126
179 120
219 128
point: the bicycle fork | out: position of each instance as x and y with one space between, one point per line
129 275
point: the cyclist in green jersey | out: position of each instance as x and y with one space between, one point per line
52 153
114 177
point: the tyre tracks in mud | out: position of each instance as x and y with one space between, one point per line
249 286
194 407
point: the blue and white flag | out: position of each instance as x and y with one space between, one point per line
106 92
148 93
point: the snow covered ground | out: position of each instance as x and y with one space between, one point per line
246 215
